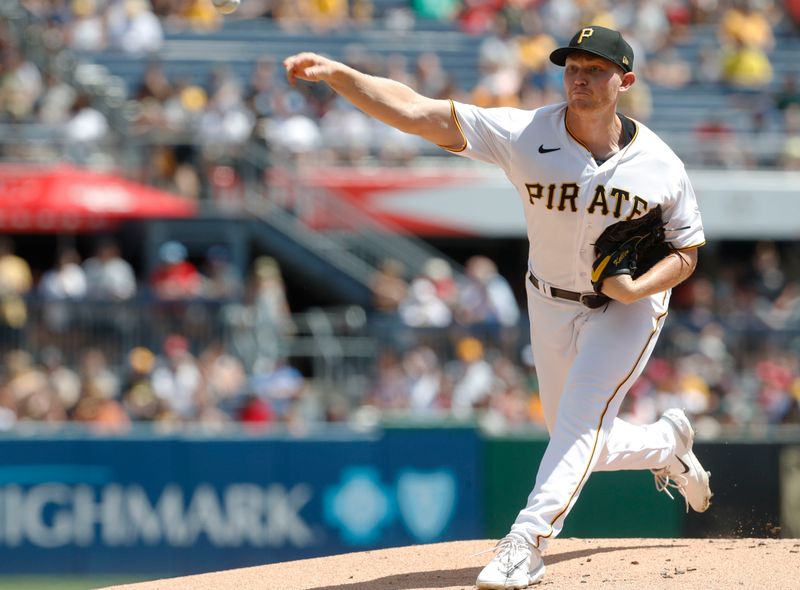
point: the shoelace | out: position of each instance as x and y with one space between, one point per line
511 553
664 481
505 548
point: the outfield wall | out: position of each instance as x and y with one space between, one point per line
181 504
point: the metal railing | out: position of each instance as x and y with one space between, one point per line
333 345
339 351
341 229
327 335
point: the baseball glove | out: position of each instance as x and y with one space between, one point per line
629 248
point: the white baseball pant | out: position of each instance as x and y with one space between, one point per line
586 361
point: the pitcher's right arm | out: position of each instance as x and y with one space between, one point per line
387 100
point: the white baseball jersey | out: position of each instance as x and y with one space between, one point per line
586 359
569 199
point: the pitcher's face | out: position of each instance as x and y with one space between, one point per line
592 83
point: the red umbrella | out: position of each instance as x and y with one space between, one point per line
66 198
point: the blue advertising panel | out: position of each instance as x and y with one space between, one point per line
183 505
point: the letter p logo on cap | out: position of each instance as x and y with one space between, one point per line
587 32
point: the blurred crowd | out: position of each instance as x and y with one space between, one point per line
433 298
210 119
729 355
105 278
217 350
212 342
192 341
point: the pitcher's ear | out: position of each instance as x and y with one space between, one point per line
628 78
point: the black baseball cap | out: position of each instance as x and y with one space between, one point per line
600 41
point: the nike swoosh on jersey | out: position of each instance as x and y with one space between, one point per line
685 466
544 150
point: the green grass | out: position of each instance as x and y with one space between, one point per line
63 582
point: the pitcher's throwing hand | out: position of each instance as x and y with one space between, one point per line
309 67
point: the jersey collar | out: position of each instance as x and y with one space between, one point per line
622 152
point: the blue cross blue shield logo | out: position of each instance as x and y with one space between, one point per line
427 501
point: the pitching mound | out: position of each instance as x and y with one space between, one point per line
701 564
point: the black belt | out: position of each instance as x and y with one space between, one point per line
590 300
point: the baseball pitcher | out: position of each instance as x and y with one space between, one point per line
613 225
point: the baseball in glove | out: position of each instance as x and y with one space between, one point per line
629 248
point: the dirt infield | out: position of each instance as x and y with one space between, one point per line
702 564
